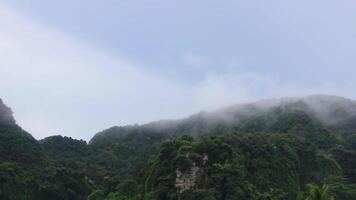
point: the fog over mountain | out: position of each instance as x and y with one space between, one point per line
329 110
177 100
6 117
275 149
100 64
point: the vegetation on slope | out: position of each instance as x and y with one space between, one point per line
276 150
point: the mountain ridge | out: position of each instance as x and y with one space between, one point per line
6 117
321 107
269 149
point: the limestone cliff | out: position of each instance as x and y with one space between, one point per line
186 180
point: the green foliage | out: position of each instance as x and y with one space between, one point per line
16 183
199 194
290 121
19 147
65 151
351 142
267 155
65 184
96 195
341 188
318 193
347 160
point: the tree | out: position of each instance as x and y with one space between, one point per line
318 193
97 195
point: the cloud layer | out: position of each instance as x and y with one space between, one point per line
57 84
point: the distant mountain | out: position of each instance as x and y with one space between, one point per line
269 149
6 117
331 111
65 151
16 145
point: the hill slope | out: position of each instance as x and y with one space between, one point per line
16 145
265 150
330 111
324 124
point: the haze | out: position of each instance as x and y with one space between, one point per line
77 67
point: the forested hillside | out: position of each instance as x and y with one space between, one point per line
281 149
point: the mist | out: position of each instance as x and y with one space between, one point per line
57 82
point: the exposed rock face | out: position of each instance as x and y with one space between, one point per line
6 117
186 180
205 159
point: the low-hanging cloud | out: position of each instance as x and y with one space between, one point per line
59 85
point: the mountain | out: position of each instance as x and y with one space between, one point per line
65 151
321 122
16 145
6 117
330 111
267 150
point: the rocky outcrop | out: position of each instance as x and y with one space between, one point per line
186 180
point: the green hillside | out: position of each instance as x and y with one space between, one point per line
279 149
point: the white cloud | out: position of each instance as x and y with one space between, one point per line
57 80
58 85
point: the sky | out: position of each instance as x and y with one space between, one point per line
75 68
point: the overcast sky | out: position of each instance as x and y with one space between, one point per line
77 67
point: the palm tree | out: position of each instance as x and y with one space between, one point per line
319 193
